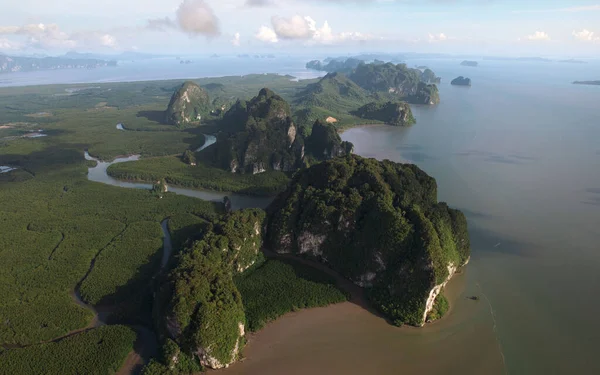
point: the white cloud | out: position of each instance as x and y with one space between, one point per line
193 17
197 18
306 29
50 36
6 44
236 40
538 35
433 38
296 27
266 34
586 35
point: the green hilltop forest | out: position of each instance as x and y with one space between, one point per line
188 105
269 134
83 272
378 224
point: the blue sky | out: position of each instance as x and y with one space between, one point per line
507 27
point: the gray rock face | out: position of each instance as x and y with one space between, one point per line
260 136
187 106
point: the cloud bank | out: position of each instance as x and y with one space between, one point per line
50 36
305 29
193 17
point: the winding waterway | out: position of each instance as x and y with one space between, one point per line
238 201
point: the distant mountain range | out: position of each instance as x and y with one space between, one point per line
128 55
27 64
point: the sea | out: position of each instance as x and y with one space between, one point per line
519 153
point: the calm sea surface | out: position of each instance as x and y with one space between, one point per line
519 153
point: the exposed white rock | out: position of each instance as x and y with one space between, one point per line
366 280
311 243
258 168
436 291
292 134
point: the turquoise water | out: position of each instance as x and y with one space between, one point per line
519 153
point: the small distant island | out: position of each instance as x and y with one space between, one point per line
469 63
27 64
593 83
572 61
461 81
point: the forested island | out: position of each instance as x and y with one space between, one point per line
461 81
106 277
469 63
27 64
594 83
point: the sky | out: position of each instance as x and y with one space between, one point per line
196 27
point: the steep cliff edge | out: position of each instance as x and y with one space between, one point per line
199 306
324 142
393 113
259 135
188 105
399 80
377 223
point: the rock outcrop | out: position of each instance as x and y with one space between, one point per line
325 143
396 79
259 136
461 81
392 113
378 224
469 63
188 105
201 307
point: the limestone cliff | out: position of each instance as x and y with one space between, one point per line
399 80
377 223
393 113
259 135
189 104
199 305
324 142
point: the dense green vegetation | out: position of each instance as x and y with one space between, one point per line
64 234
396 79
378 224
260 135
124 267
277 287
335 65
200 306
97 351
325 143
189 104
333 96
172 361
398 114
201 176
440 308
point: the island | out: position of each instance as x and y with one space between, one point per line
335 65
461 81
593 83
469 63
393 113
27 64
